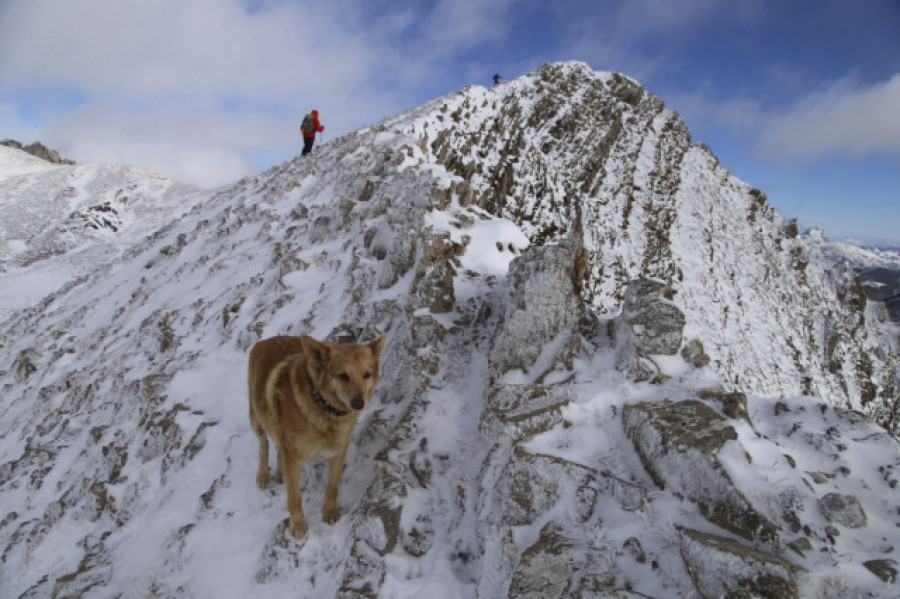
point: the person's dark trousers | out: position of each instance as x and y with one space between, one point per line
307 145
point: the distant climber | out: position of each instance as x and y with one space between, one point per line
496 78
309 127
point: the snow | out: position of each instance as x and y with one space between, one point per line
126 453
14 163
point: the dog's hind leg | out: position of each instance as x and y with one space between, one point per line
330 513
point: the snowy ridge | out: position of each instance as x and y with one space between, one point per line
509 448
58 223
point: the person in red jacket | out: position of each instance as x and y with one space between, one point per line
309 127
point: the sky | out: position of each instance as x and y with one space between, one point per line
800 98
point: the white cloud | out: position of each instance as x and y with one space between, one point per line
465 23
177 85
151 79
840 120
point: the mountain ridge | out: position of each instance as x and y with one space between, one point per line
527 436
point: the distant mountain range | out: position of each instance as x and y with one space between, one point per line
878 266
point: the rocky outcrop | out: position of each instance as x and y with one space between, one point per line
751 573
649 324
678 444
39 150
541 311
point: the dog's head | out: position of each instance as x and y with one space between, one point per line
343 372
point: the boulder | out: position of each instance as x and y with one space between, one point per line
546 568
650 324
678 443
523 411
722 567
541 311
843 509
537 484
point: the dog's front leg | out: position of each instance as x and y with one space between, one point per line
262 473
330 513
279 468
291 463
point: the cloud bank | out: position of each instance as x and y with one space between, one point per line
843 119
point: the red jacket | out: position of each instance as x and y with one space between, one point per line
317 126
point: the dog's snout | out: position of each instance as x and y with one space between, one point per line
358 403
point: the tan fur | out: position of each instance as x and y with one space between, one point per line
282 375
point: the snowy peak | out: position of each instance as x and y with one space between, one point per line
566 152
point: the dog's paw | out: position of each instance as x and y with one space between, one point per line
262 479
278 477
330 515
299 527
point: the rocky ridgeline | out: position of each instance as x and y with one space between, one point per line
567 151
571 427
39 150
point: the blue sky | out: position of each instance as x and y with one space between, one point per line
800 98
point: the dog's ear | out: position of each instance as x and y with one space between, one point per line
316 352
376 346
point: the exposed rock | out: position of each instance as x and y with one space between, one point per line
635 550
843 509
885 569
534 484
524 410
546 568
735 406
649 324
802 546
693 353
39 150
541 311
678 444
722 567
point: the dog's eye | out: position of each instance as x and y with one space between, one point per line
344 377
367 375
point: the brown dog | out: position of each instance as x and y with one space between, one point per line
307 396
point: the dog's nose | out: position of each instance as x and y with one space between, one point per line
357 403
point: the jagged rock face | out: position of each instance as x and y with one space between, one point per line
568 152
504 454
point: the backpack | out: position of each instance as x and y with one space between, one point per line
309 124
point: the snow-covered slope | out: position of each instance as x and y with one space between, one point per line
15 162
58 223
574 297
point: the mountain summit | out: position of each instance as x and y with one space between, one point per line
611 370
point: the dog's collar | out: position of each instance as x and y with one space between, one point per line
320 401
